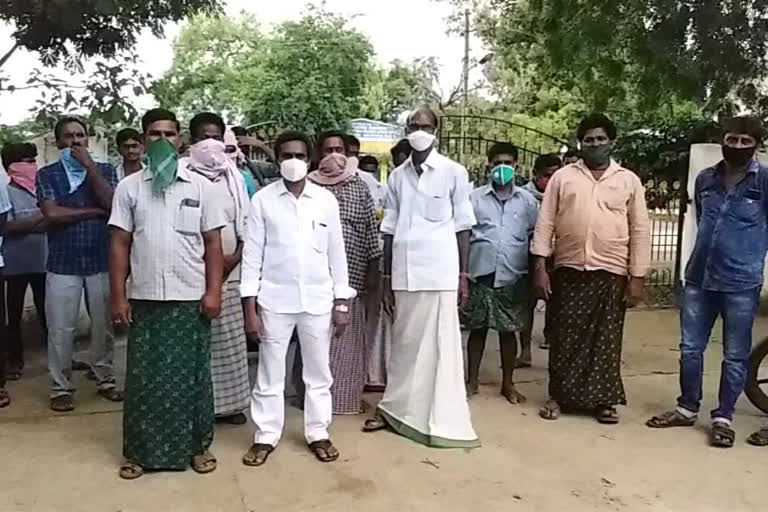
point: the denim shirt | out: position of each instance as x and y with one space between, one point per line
500 239
732 238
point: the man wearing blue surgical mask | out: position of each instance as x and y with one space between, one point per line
498 267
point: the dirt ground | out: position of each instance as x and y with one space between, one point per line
69 462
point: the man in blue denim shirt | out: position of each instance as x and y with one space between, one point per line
723 277
498 267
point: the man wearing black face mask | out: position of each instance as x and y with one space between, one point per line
723 278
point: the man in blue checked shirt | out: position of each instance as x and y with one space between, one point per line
723 277
75 196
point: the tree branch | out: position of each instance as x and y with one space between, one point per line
8 54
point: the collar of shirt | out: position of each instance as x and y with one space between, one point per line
308 189
754 166
612 169
432 161
490 189
182 173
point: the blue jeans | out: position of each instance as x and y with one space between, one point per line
698 312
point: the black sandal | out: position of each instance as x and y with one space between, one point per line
5 398
759 438
62 403
550 411
721 435
374 424
324 450
671 419
258 454
607 415
130 470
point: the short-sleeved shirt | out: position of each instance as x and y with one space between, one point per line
24 253
5 207
499 243
80 248
167 249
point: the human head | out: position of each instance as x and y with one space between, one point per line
71 131
400 152
16 152
422 119
129 144
597 134
240 131
160 123
292 144
543 168
741 137
206 125
570 157
369 163
502 153
353 146
332 142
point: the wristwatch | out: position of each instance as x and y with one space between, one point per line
342 308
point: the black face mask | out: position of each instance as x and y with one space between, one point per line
738 157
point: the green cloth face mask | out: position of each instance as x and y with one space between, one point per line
163 161
502 174
597 156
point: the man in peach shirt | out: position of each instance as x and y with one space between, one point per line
594 221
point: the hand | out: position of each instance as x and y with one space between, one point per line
634 292
210 304
82 155
388 298
121 312
340 321
254 328
541 285
463 290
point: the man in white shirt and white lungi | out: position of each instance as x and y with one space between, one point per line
294 276
427 215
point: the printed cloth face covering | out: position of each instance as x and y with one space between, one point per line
163 164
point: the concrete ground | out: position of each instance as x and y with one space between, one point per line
55 462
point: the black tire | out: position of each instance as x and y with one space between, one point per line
756 395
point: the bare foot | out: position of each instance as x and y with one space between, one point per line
472 388
512 395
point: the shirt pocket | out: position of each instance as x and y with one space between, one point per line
188 216
320 238
438 209
615 199
748 210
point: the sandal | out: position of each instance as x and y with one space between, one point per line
205 463
62 403
374 424
550 411
544 345
5 398
671 419
607 415
112 394
14 374
258 454
759 438
324 450
130 470
233 419
721 435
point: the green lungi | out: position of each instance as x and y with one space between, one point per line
503 309
168 413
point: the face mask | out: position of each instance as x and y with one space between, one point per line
597 156
421 140
502 174
541 183
162 160
738 157
293 170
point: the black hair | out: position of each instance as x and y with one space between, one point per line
239 131
351 140
402 146
746 125
571 153
428 110
596 120
16 152
159 114
61 123
369 159
330 134
502 148
547 160
127 134
203 119
290 136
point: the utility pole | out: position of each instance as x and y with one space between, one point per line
465 78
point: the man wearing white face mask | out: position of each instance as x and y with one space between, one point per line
294 276
427 215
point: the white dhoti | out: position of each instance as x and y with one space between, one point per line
425 399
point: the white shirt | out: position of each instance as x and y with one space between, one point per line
167 249
424 213
377 188
120 169
294 259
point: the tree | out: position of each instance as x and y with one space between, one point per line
75 29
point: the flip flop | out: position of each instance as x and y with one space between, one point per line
205 463
324 450
258 454
233 419
759 438
5 398
721 435
550 411
374 424
607 415
62 403
112 394
130 470
671 419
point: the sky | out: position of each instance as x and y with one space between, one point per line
398 29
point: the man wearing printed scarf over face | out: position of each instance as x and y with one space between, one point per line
166 230
208 157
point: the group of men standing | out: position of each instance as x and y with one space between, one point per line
197 260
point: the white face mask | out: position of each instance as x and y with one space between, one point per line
421 140
293 169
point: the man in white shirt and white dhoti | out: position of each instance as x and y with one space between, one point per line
427 215
294 276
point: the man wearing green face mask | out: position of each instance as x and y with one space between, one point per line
498 267
594 220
